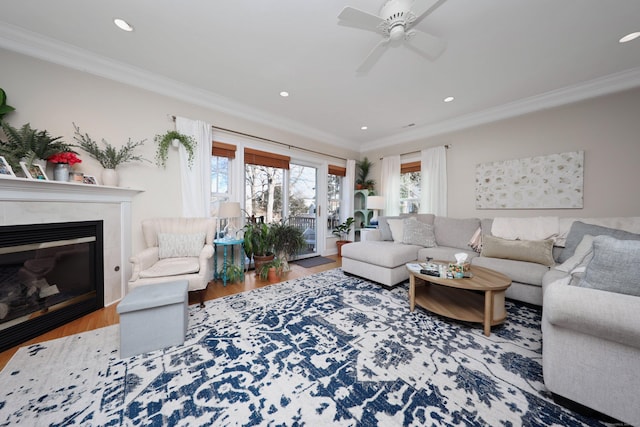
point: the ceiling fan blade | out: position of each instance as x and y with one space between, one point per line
373 56
425 44
352 17
422 8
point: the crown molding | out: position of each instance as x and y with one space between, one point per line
35 45
38 46
611 83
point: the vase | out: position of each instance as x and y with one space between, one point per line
61 172
110 177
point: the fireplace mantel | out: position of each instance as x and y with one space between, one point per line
37 190
27 201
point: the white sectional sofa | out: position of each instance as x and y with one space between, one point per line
382 259
590 297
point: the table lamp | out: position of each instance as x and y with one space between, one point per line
229 210
375 203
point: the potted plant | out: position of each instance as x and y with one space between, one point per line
29 145
362 179
109 157
288 241
342 231
174 138
4 107
272 270
258 243
234 273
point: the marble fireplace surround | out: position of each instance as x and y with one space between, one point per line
24 201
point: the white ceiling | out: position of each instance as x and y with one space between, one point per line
503 57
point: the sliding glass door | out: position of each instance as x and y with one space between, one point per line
302 204
273 194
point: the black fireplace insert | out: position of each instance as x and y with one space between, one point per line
50 274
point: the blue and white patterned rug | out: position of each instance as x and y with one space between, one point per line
326 349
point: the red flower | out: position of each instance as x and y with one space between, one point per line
65 157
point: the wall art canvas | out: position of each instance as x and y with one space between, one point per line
553 181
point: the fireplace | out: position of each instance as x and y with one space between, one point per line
50 274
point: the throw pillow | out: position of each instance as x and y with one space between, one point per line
583 250
615 266
418 233
397 229
383 227
579 229
180 245
537 251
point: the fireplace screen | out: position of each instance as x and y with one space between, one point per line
50 274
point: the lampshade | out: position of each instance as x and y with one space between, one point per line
375 202
229 210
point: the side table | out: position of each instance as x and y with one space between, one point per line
226 243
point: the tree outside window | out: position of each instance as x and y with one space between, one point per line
410 192
334 186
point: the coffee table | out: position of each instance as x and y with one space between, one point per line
479 298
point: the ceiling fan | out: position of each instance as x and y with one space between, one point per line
395 22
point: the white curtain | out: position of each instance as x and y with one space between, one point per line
348 184
196 181
390 185
433 168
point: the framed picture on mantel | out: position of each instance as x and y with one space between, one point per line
90 179
5 169
34 171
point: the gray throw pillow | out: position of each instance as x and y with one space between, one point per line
418 233
578 231
615 266
383 227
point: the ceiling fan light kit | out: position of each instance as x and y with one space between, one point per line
394 22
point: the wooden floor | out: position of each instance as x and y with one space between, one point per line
107 316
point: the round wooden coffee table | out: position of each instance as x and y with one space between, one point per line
479 298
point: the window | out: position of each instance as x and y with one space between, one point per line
221 159
410 179
334 195
264 177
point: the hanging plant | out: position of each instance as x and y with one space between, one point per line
4 107
164 141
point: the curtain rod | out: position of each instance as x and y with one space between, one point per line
289 146
446 146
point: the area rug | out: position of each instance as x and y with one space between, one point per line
313 262
325 349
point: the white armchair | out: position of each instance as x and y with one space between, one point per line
177 249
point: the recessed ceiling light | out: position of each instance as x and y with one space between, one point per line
629 37
122 24
364 127
449 99
284 94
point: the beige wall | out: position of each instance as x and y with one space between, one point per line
51 97
606 128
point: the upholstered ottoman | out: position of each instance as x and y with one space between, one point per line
153 317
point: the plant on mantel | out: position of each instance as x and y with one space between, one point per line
167 139
109 157
28 145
